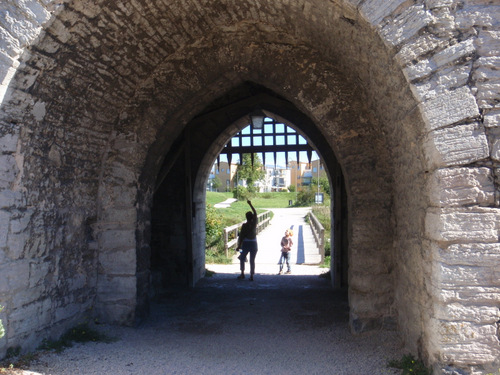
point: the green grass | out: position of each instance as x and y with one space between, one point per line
236 212
214 197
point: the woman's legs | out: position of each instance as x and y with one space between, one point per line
253 253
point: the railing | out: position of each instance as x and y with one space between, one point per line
231 233
319 234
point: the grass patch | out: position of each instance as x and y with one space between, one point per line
410 366
326 262
214 256
80 334
215 197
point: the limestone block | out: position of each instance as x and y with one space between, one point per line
15 276
77 282
115 313
469 353
453 53
118 262
376 10
38 273
440 84
15 20
461 186
67 312
30 318
35 9
27 296
495 150
449 108
466 294
120 215
116 288
372 283
4 227
486 68
464 343
463 224
457 312
117 239
413 49
441 59
488 43
9 46
15 245
456 275
8 143
486 16
475 254
8 168
492 119
406 25
19 223
487 94
456 146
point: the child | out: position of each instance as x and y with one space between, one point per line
286 247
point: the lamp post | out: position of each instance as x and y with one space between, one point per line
257 119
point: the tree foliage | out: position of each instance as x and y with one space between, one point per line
250 173
324 184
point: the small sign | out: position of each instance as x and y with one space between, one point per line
318 198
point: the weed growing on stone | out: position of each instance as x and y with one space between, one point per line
81 333
410 366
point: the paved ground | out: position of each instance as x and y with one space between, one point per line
277 324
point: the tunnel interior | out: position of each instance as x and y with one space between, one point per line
172 254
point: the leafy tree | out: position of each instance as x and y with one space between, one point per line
324 185
250 173
292 188
216 184
241 193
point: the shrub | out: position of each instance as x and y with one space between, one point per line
305 198
213 226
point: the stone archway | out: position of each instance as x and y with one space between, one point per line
403 93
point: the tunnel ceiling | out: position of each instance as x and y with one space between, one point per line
115 60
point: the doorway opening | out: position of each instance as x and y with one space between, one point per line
178 209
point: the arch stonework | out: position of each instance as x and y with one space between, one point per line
95 94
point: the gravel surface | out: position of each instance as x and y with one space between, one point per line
288 324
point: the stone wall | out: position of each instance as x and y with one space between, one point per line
406 93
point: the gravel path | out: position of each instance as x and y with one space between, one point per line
289 324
